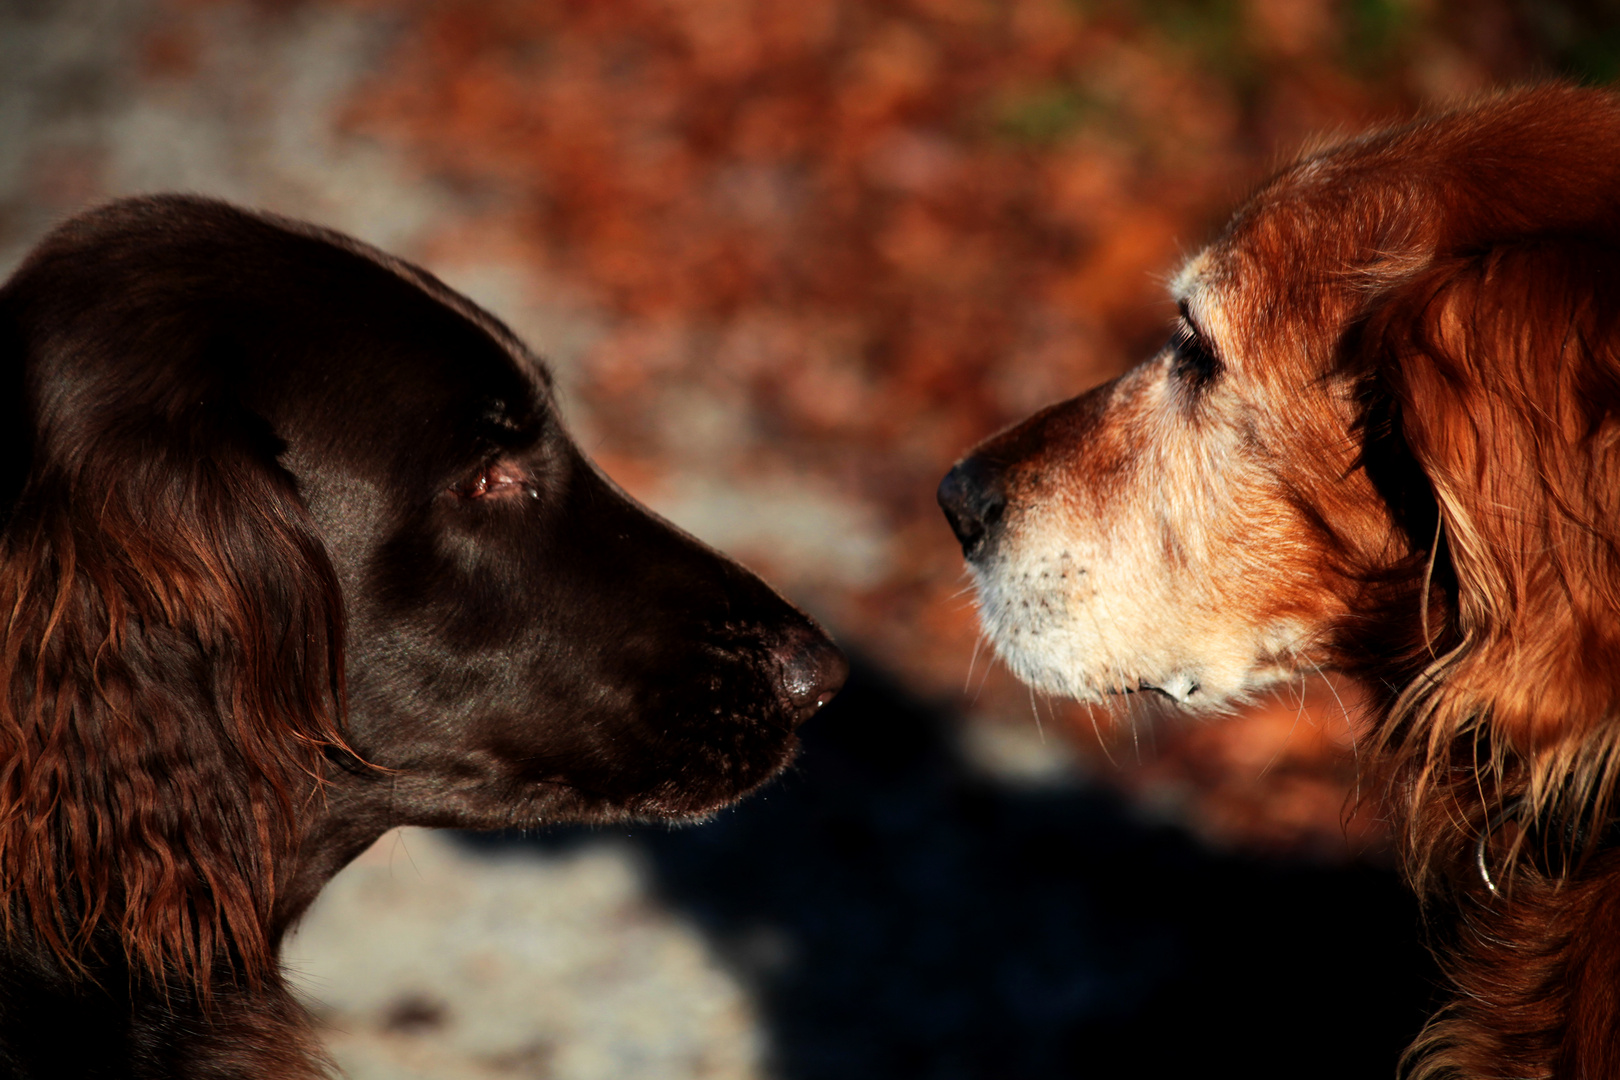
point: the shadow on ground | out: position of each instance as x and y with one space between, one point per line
900 916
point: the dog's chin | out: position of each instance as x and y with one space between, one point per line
1107 653
1083 672
1180 689
684 806
684 799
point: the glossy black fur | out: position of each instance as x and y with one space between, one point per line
546 651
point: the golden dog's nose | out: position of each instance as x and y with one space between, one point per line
973 500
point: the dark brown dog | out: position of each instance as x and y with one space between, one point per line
1384 440
295 550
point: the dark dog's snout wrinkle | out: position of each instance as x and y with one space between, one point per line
973 499
813 670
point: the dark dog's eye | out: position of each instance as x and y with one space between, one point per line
500 479
1194 362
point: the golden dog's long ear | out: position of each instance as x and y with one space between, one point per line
1503 368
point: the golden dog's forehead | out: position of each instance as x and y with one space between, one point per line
1202 288
1188 281
1198 288
1286 276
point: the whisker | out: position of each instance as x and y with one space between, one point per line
985 678
978 643
1108 754
1349 725
1299 711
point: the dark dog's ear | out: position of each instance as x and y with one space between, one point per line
1503 369
171 674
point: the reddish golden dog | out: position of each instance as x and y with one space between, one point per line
1382 440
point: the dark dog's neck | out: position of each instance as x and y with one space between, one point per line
343 820
140 1030
143 1028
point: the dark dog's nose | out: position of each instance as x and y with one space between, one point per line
813 671
973 500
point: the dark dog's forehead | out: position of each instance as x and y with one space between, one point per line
350 356
390 371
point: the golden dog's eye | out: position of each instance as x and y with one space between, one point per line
500 479
1193 361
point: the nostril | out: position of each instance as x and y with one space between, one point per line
813 670
973 500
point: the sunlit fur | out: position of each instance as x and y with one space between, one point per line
1408 469
103 778
294 549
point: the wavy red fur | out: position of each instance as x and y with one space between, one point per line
129 799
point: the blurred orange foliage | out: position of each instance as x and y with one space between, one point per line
871 232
